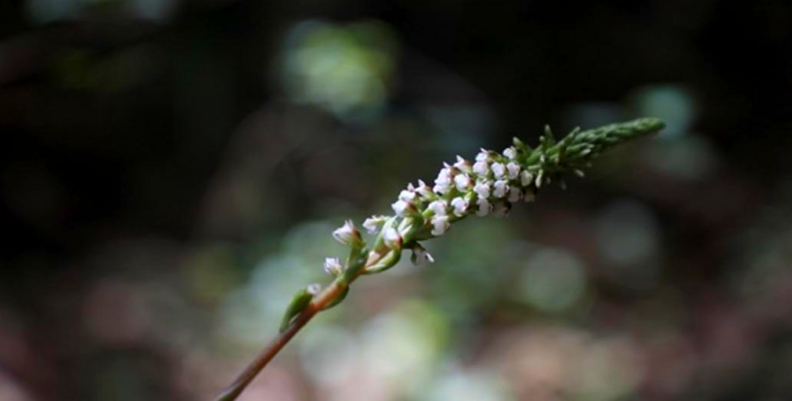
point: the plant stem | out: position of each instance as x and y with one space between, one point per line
318 303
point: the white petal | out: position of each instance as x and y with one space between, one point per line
514 170
501 189
484 207
462 182
460 206
392 238
438 207
440 225
482 190
499 170
481 168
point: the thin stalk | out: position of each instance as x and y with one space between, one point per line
318 304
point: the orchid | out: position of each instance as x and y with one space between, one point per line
490 185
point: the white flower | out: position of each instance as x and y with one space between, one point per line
424 190
579 173
526 178
373 223
348 234
420 256
443 177
462 164
482 190
510 152
499 170
515 195
440 224
392 238
441 189
514 170
443 181
483 155
501 209
462 182
481 168
484 207
501 189
438 207
332 266
403 209
460 206
539 178
407 195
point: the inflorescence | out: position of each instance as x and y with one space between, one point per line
490 184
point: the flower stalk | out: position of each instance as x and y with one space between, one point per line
489 185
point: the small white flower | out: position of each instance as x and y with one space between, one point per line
482 190
510 152
443 181
462 164
442 189
526 178
443 177
481 168
392 238
460 206
407 195
462 182
402 208
424 190
499 170
484 207
539 178
332 266
501 189
348 234
440 225
515 194
513 169
580 173
483 155
501 209
438 207
421 257
373 223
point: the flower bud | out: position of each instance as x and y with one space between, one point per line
526 178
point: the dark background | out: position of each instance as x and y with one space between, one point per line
171 171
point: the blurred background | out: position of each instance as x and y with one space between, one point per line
171 171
